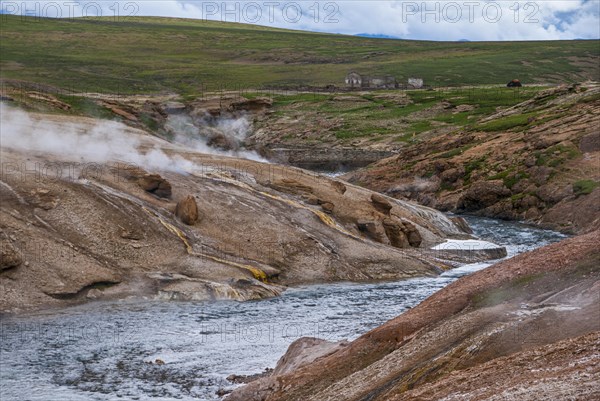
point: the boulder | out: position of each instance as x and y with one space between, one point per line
530 161
327 207
394 230
540 174
553 193
9 256
451 175
300 353
462 224
221 141
381 204
532 214
156 185
245 379
187 210
339 187
483 194
303 351
441 166
522 186
43 198
412 234
526 202
503 209
371 229
590 143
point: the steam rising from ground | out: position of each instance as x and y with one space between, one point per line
195 134
99 141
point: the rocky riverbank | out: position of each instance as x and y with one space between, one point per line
535 314
536 161
97 210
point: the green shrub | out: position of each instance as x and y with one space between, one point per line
455 152
510 181
517 197
584 187
472 166
500 176
506 123
446 187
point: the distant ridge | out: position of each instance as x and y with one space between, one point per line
377 36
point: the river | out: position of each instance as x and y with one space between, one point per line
103 350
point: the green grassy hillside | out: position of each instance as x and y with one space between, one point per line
143 55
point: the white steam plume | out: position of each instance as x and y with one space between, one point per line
235 130
98 142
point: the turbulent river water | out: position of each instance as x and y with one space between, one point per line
101 351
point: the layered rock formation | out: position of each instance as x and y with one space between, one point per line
114 229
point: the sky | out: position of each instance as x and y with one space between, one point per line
423 20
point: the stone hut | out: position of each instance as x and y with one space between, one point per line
415 83
356 80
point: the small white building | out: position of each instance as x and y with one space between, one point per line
354 80
415 83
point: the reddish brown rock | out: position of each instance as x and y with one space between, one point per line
155 184
43 198
540 174
187 210
327 207
412 234
395 233
304 351
221 141
381 204
552 193
292 186
451 175
311 199
483 194
339 186
453 345
9 256
372 229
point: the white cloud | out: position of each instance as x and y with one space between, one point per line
419 19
